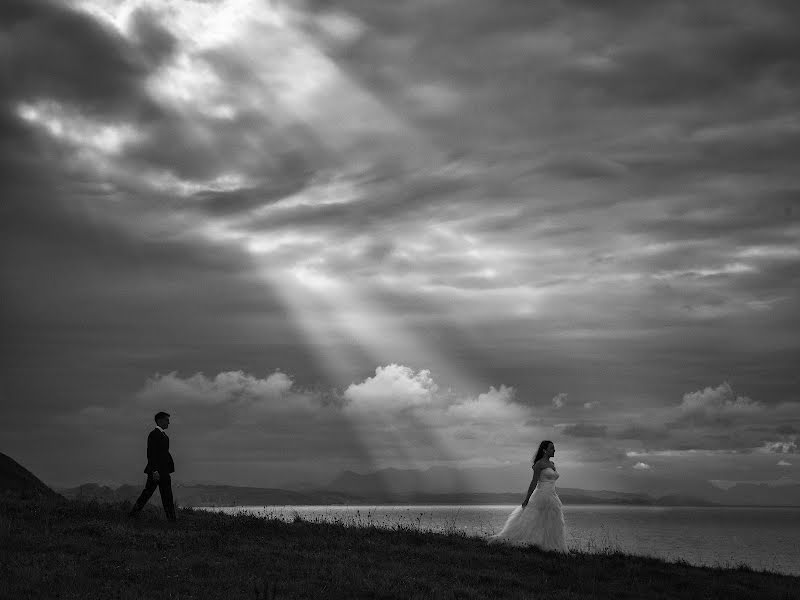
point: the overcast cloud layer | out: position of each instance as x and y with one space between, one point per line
359 234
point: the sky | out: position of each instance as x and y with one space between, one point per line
368 234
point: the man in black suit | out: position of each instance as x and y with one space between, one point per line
158 469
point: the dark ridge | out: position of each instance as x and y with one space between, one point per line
16 480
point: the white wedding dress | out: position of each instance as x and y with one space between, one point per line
541 522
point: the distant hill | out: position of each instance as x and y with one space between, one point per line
102 493
17 480
361 491
443 485
446 485
756 494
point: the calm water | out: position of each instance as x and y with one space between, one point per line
764 538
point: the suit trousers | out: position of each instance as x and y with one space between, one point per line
164 485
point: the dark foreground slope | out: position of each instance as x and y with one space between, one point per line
16 480
67 549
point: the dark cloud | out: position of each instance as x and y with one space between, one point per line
641 432
48 50
585 430
678 54
593 453
583 167
156 42
786 429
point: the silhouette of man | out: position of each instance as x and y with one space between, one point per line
158 469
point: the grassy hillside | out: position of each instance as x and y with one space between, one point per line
67 549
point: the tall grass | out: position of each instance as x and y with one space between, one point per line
92 551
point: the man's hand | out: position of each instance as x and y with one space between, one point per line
156 476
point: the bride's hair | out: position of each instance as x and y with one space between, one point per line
540 452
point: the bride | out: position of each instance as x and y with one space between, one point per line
540 520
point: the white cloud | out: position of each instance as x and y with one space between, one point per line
393 388
340 28
642 466
559 400
401 414
72 127
396 390
225 387
717 403
782 447
489 407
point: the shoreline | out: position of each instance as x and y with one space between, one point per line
481 521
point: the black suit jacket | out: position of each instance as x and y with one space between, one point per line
158 456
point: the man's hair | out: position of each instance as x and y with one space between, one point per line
159 415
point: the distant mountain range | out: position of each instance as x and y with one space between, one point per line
228 495
445 485
387 486
752 494
451 482
437 485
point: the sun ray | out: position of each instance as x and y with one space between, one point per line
305 99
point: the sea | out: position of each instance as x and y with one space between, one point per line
761 538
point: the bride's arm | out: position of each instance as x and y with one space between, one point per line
536 471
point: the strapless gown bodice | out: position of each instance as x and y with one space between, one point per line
547 480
